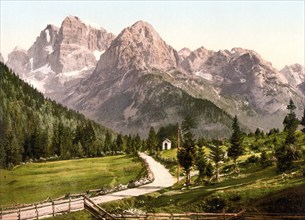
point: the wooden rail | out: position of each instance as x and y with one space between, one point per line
210 216
96 210
47 209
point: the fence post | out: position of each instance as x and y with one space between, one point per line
1 212
69 204
19 215
53 208
37 215
84 198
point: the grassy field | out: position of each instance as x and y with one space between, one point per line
232 194
37 181
169 154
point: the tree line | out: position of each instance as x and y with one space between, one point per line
33 128
282 148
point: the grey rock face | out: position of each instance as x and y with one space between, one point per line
128 90
140 48
19 61
74 48
41 51
241 74
295 74
60 55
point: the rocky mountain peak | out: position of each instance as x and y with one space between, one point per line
138 47
78 45
295 74
183 53
18 60
43 47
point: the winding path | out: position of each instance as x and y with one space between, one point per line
162 180
162 176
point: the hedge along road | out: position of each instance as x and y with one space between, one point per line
162 179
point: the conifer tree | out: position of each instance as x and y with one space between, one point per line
235 150
186 154
119 142
217 155
201 163
285 154
290 123
152 141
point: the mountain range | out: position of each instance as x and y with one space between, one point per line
135 80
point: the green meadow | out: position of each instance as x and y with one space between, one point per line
36 182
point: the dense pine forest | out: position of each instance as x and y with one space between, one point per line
35 128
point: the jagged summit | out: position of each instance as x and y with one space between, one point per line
138 47
295 74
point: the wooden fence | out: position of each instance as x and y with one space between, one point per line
211 216
75 204
44 210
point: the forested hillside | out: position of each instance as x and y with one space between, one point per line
32 127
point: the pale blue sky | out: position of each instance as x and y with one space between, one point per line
275 29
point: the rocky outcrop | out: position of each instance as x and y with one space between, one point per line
183 53
295 74
19 61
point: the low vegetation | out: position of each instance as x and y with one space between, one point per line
253 172
36 182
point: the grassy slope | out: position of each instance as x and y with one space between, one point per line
232 193
38 181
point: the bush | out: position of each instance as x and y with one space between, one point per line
252 159
265 160
215 204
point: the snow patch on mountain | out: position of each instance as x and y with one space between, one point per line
67 76
48 35
49 49
206 76
44 69
98 54
39 85
31 62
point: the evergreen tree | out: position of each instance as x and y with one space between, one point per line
137 145
217 155
290 124
265 160
108 142
186 154
152 141
129 144
286 153
201 163
235 150
210 171
119 142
